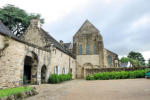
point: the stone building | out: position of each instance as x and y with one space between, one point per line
34 57
89 50
36 54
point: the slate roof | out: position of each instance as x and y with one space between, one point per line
111 51
67 45
56 44
4 30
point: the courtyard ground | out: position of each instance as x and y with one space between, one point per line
127 89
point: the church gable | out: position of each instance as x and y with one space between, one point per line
88 28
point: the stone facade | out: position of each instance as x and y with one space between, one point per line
90 51
36 55
30 54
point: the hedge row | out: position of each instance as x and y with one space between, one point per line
55 78
118 75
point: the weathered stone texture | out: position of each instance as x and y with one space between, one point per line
62 60
11 63
88 38
83 59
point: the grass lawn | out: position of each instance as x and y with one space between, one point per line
11 91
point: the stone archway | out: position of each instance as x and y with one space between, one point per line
86 66
30 68
43 74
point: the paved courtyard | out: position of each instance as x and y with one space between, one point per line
128 89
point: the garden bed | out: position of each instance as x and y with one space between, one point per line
17 93
118 75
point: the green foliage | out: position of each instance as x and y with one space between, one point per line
55 78
124 59
11 91
138 57
16 19
118 75
89 77
148 64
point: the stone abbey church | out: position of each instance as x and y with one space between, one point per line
36 54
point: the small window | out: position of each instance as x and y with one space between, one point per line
80 49
87 49
63 71
94 49
56 70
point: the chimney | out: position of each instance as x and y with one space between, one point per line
35 23
61 42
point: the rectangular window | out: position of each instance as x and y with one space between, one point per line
80 49
56 70
87 49
94 49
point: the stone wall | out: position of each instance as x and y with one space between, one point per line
83 59
11 63
62 60
113 56
33 34
13 60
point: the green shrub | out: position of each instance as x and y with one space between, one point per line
118 75
11 91
89 77
55 78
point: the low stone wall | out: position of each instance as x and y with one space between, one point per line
98 70
22 95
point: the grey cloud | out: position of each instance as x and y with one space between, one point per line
114 22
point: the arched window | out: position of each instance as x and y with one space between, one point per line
80 49
109 59
63 71
87 49
94 49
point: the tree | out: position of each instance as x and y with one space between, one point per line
138 57
124 59
16 19
148 63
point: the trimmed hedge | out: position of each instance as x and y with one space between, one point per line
118 75
55 78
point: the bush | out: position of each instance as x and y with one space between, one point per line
118 75
55 78
12 91
89 77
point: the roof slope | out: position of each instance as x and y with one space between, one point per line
88 28
4 30
110 51
67 45
56 44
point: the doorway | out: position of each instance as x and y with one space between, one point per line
43 74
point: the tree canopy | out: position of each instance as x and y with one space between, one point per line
137 56
124 59
16 19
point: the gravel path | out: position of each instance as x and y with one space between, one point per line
128 89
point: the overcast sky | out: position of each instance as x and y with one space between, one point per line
124 24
